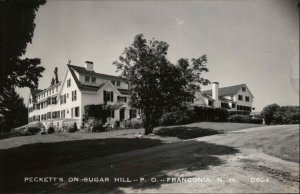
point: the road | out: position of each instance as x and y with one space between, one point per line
262 159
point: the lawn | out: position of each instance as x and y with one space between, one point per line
195 130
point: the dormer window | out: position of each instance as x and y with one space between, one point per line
93 80
118 83
113 82
244 89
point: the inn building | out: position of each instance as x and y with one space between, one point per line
63 103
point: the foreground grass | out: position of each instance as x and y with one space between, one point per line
19 161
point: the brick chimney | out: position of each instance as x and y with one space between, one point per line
89 65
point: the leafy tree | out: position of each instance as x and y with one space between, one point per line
17 27
17 24
157 85
268 113
17 113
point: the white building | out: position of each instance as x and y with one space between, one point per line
63 103
233 98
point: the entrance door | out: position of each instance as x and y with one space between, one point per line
122 114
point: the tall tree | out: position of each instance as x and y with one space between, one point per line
157 85
16 31
17 27
16 113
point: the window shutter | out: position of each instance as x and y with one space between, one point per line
113 114
104 96
112 96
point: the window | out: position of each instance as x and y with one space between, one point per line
63 114
210 103
30 100
108 96
76 113
65 99
87 79
48 101
48 115
247 98
233 105
121 99
54 100
244 89
224 105
74 96
118 83
67 95
240 97
113 82
93 80
132 113
68 82
112 113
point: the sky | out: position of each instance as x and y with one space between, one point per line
246 41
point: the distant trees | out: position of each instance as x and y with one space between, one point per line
17 27
157 85
275 114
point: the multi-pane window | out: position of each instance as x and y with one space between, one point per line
233 105
87 79
113 82
76 113
118 83
240 97
210 103
108 96
224 105
132 113
54 100
63 114
121 99
247 98
93 80
74 95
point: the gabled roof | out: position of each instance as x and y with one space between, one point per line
82 70
93 88
226 91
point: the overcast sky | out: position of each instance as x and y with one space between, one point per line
251 41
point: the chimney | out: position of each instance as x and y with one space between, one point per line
89 65
215 90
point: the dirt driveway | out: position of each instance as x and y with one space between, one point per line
264 160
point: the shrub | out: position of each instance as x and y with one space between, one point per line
73 128
98 126
50 130
210 114
237 118
33 130
274 114
136 123
128 124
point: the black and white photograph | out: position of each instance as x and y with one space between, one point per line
149 96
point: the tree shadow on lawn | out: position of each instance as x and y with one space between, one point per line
183 132
108 158
24 160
